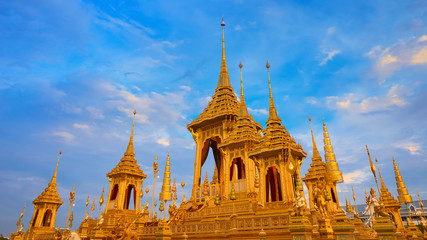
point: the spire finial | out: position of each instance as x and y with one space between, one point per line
56 169
129 150
334 173
403 196
272 110
166 194
315 151
243 109
224 79
381 177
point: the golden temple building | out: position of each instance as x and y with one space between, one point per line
256 191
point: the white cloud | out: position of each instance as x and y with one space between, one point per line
83 127
395 97
386 61
163 141
414 148
330 55
185 88
261 111
95 113
65 136
422 38
311 100
237 28
420 57
357 176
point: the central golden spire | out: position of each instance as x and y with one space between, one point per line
53 181
166 194
316 155
243 109
272 110
129 150
224 79
403 196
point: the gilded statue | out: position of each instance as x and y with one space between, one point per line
320 198
299 204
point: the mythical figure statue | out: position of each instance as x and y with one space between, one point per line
299 204
319 198
374 208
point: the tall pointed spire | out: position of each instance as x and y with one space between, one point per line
243 109
53 181
224 79
166 194
403 196
334 173
381 177
272 110
316 155
129 150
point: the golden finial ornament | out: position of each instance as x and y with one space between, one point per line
333 172
18 224
93 207
72 198
403 195
87 203
243 109
224 79
166 194
316 155
206 185
354 198
130 149
373 170
101 201
233 192
155 171
182 186
381 177
175 197
272 109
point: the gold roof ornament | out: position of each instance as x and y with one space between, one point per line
128 163
403 196
272 113
21 216
385 196
166 194
224 79
333 173
243 109
50 193
316 155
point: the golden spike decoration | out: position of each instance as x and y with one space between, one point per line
381 178
175 197
71 217
272 109
155 170
93 207
53 181
72 198
101 201
373 169
130 149
316 154
183 185
422 207
20 217
332 170
87 203
354 198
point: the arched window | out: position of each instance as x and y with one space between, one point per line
114 192
35 218
334 199
211 144
46 218
237 169
273 185
130 194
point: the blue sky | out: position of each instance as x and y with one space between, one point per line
71 72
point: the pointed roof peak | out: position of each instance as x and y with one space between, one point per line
383 188
224 79
316 155
243 109
130 149
272 109
56 169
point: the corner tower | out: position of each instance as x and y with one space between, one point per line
278 158
214 125
125 184
46 206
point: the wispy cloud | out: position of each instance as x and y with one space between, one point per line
261 111
329 56
65 136
163 141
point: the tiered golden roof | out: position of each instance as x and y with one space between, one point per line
224 101
50 194
166 193
317 168
245 129
128 163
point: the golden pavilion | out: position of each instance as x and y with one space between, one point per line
256 191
